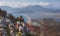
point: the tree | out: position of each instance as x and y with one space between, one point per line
11 17
3 13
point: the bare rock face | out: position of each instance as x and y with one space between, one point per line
50 28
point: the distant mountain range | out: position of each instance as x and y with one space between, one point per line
38 8
30 10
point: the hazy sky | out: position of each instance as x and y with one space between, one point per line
25 3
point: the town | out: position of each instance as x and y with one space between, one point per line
11 26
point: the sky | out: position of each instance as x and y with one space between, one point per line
25 3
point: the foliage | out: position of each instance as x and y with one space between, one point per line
3 13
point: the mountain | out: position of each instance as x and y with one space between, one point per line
30 9
7 8
37 8
36 11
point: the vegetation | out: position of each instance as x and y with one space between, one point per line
50 27
3 13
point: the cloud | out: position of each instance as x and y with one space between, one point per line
44 4
22 4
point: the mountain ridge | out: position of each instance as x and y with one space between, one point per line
32 9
